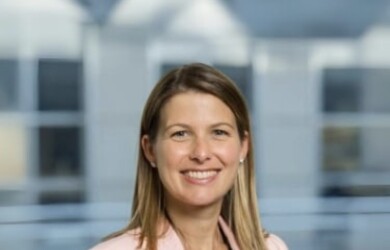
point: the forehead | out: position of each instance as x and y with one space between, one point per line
194 106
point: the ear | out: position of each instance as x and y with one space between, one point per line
147 147
244 145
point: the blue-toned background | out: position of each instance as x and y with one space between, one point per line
74 76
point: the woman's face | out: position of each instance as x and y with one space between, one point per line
197 149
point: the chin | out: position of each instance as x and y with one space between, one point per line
205 202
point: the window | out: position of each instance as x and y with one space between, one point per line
60 146
12 154
8 84
60 151
341 150
355 158
357 90
58 197
242 76
59 85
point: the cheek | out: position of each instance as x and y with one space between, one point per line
168 155
230 154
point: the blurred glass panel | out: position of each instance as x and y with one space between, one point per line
356 90
59 85
58 197
375 145
355 152
352 148
8 84
357 190
376 90
342 90
12 154
60 151
341 149
242 76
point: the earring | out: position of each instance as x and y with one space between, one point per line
241 162
153 164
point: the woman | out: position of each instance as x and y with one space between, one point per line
195 186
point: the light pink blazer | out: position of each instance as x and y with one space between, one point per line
171 241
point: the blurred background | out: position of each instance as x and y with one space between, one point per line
74 76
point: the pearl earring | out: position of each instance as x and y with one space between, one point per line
153 164
241 161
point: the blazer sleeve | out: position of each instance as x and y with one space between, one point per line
275 243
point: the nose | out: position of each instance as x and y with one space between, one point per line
200 151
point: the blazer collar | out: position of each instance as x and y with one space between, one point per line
171 240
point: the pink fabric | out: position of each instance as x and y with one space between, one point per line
275 243
171 241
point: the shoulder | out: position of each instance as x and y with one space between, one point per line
126 241
275 243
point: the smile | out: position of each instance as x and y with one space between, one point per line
201 174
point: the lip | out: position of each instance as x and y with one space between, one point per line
200 177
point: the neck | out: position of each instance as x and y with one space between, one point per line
197 226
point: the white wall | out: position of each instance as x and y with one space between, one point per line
286 106
116 82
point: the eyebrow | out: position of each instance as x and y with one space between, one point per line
223 124
187 126
176 125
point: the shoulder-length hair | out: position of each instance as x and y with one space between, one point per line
239 207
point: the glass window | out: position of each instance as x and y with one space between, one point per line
357 191
356 90
341 149
8 84
353 148
242 76
59 84
375 144
60 151
57 197
12 154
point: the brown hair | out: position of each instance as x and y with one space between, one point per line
239 207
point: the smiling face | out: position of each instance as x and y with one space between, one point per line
197 149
